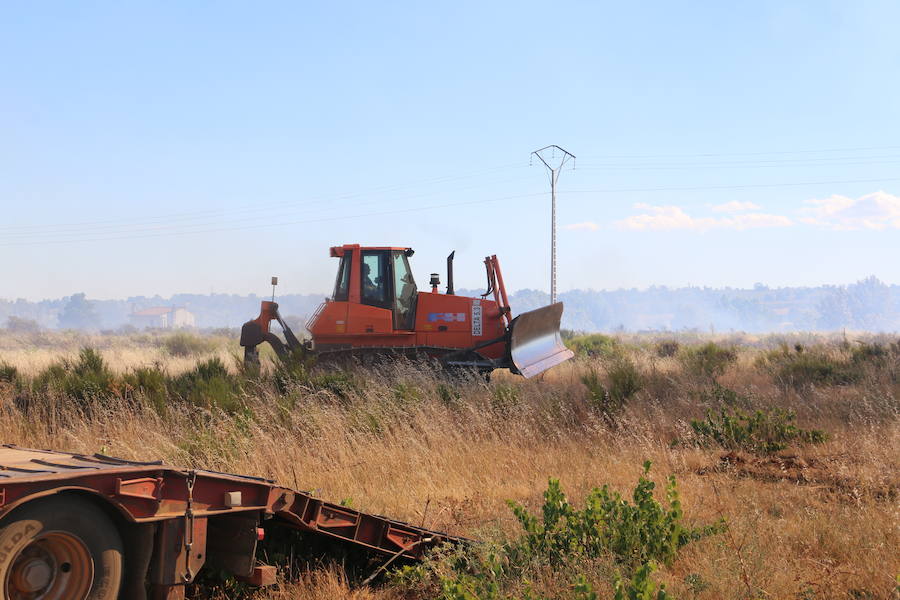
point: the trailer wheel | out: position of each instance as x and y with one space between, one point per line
60 548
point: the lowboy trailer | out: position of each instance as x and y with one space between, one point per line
93 527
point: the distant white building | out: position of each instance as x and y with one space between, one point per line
162 317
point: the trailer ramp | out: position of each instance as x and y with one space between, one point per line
173 521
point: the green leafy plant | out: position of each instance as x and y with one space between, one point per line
594 345
799 367
485 581
636 534
718 396
667 348
584 590
186 344
706 361
449 395
504 398
696 584
16 324
8 373
406 394
150 384
482 581
209 384
340 383
624 382
761 432
85 378
633 532
292 370
640 586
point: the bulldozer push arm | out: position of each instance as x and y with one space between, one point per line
376 310
257 331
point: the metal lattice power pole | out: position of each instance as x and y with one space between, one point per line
547 155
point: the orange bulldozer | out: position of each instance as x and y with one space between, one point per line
376 311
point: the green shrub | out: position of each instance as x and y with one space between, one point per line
869 353
449 395
583 590
186 344
406 394
291 370
8 373
634 534
209 384
667 348
706 361
150 384
215 444
340 383
594 345
719 396
486 585
876 358
800 368
624 382
22 325
640 586
87 377
504 398
481 580
762 432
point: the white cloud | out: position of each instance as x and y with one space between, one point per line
735 206
670 218
586 226
877 211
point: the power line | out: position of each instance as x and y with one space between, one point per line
728 187
282 224
763 153
211 216
814 159
688 166
260 215
256 208
211 227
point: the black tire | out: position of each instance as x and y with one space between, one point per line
43 545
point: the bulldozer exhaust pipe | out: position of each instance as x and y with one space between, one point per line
450 290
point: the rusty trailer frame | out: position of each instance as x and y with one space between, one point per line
173 521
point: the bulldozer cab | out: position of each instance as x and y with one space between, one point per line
383 279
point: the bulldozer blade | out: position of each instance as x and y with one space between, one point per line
535 343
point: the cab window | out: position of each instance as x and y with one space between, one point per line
342 285
405 286
375 279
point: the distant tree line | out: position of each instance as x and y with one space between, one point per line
868 304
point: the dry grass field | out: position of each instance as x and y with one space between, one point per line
807 516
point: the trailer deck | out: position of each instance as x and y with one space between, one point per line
171 522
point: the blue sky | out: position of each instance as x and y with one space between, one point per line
194 147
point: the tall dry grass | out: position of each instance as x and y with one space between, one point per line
32 352
814 521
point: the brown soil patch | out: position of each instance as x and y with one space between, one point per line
816 472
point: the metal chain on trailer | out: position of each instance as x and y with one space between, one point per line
190 480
